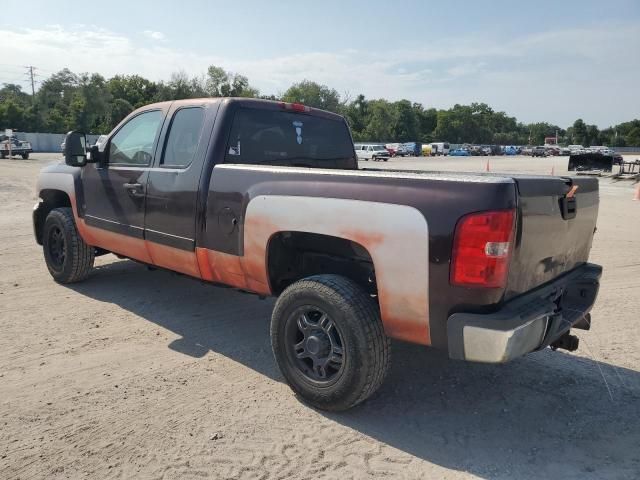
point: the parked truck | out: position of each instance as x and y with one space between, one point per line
11 146
267 198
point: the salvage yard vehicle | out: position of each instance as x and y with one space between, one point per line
11 146
267 198
372 151
539 152
459 152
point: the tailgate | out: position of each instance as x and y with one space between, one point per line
555 229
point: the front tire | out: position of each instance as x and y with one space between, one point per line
68 258
329 343
25 156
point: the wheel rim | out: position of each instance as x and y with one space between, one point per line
315 344
57 247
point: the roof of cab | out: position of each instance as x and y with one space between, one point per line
243 101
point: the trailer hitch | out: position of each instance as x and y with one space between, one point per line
566 342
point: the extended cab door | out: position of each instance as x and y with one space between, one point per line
114 189
172 186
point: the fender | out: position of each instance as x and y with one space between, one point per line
396 237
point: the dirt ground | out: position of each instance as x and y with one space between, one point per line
141 374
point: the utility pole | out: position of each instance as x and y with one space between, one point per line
31 74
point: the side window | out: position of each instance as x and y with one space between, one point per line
133 144
183 138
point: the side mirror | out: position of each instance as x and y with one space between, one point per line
75 149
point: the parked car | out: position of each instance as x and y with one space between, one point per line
511 150
565 151
392 148
527 150
459 152
539 152
368 151
552 151
267 198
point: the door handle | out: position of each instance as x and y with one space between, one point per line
134 189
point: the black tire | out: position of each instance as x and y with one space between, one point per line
68 258
3 155
356 328
25 156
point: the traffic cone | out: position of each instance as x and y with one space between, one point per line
487 167
636 196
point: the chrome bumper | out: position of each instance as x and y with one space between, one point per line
530 322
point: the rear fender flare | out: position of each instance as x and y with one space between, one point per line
396 237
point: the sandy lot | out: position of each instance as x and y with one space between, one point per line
140 374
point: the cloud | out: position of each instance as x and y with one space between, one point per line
154 35
556 76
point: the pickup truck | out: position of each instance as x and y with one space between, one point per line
267 197
10 146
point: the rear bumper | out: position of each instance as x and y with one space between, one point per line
527 323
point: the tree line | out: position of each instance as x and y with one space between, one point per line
90 103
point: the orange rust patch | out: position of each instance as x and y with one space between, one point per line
173 258
369 240
230 270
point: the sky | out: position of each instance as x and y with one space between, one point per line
550 61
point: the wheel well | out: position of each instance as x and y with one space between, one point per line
292 256
50 199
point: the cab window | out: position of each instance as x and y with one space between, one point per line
133 143
183 138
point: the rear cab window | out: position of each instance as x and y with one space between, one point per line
284 138
184 135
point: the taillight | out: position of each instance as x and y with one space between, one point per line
482 249
296 107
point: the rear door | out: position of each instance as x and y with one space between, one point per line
172 187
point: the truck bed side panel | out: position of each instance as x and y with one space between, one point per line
441 200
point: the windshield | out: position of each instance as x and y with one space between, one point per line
286 138
379 148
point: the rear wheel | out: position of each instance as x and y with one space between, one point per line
25 156
328 341
68 258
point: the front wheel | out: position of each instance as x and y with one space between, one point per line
25 156
328 340
68 258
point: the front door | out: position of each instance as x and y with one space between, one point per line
114 190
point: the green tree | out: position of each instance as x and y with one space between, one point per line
579 133
314 95
633 137
405 127
380 121
220 83
134 89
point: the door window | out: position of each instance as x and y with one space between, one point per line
133 144
183 138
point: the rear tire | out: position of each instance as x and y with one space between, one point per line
68 258
329 343
25 156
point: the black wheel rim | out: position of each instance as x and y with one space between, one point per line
315 345
57 247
